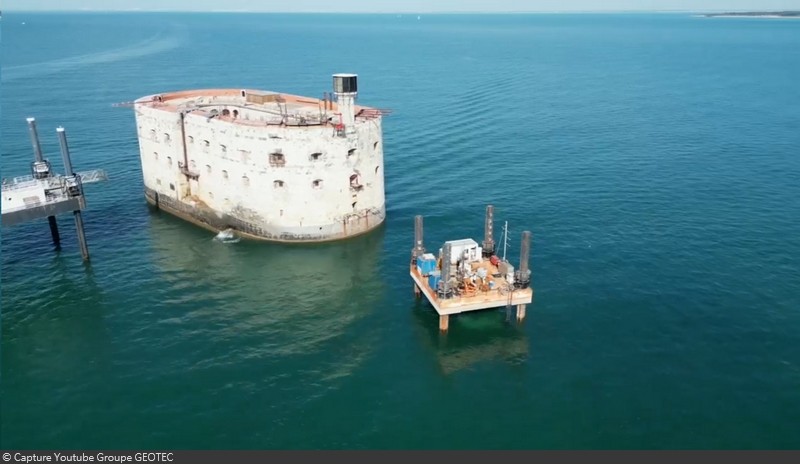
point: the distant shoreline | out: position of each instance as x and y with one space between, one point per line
756 14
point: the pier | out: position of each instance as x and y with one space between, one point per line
44 193
467 277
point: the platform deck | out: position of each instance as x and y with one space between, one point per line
493 298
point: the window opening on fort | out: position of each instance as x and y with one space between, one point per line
355 181
277 159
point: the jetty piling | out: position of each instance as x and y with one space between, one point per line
39 160
488 240
418 249
76 188
524 277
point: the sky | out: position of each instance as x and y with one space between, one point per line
402 6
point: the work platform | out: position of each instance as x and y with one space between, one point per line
467 277
44 193
492 298
26 198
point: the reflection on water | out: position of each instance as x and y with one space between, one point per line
472 338
180 321
58 330
266 301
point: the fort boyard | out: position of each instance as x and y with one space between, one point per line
267 165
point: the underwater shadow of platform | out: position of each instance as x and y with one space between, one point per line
481 337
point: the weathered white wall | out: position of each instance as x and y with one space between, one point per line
236 178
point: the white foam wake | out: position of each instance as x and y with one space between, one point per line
155 44
227 236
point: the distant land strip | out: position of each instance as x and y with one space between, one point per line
758 14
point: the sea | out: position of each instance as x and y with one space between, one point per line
654 157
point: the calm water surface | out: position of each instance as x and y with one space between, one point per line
654 157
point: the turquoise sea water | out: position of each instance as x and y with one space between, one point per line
655 158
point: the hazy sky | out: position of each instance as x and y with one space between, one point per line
420 6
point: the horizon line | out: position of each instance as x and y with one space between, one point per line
399 12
